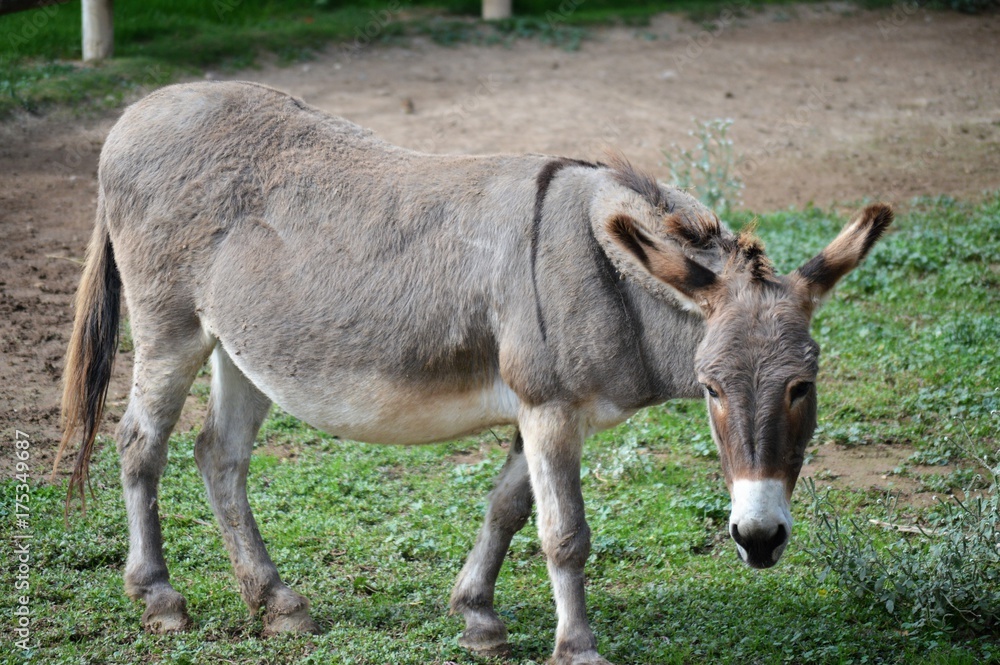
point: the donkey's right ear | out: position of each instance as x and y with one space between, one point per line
695 284
821 273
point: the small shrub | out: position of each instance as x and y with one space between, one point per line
946 577
710 168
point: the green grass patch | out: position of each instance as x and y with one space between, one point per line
157 41
375 535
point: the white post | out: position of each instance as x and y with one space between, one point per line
493 9
98 30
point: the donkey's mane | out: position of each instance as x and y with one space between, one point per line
748 254
694 225
638 181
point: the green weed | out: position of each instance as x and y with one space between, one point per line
125 342
945 577
709 169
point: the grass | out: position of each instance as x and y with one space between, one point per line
157 41
375 535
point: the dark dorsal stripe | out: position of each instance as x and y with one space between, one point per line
542 183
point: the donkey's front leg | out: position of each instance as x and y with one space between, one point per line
509 509
553 442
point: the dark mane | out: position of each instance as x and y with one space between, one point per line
746 254
699 228
641 183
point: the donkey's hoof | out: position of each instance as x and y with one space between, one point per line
586 658
166 612
485 641
288 612
484 633
297 622
161 624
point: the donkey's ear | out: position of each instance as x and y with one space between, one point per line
664 260
822 272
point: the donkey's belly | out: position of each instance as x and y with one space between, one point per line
402 416
375 410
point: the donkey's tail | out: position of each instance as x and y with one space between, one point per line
91 354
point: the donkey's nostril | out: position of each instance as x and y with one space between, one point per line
778 539
734 530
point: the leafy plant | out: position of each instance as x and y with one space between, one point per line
708 169
944 577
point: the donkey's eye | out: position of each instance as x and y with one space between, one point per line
800 390
711 391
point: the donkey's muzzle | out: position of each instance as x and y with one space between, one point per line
758 548
761 521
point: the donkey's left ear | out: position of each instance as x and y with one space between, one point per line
822 272
695 285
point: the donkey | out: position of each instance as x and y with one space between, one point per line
390 296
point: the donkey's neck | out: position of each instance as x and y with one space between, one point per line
669 338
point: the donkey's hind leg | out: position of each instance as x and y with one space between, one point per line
222 451
163 373
509 510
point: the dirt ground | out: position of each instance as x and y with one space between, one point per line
829 105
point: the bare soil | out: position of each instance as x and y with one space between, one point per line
872 468
830 105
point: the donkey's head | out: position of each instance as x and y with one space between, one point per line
757 362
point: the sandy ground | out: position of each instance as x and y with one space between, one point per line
830 105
